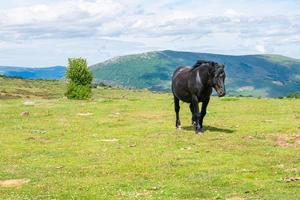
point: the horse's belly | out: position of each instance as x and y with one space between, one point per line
182 95
186 99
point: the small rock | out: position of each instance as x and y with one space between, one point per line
268 120
85 114
185 148
26 113
154 188
39 131
29 103
109 140
248 170
290 179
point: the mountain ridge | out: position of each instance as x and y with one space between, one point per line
51 73
256 75
260 75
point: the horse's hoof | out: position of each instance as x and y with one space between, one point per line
199 131
178 127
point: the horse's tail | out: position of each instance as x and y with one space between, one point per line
175 74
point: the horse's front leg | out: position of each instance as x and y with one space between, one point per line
196 114
192 111
203 113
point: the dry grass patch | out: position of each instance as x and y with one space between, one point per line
13 182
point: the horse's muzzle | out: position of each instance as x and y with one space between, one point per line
221 94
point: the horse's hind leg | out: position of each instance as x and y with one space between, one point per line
177 108
192 111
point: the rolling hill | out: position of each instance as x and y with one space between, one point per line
256 75
50 73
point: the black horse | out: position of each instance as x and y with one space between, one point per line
194 85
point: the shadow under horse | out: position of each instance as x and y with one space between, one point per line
194 85
210 128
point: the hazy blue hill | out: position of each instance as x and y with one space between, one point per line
56 72
257 75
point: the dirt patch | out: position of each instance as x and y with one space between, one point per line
297 139
293 170
287 141
282 141
13 182
236 198
297 116
254 137
142 194
6 95
38 139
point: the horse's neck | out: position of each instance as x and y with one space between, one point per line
204 76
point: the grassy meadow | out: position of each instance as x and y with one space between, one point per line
122 144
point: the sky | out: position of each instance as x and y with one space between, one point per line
41 33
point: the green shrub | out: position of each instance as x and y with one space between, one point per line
78 91
295 95
80 79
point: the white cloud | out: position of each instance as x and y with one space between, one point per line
74 12
260 48
215 26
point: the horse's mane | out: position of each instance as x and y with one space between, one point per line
200 62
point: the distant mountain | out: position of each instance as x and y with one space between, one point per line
256 75
56 72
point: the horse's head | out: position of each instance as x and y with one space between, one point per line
218 79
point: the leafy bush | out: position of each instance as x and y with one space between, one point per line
295 95
80 79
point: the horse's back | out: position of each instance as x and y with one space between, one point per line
179 72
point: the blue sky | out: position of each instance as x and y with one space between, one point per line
47 32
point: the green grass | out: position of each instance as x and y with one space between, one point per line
11 88
128 147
